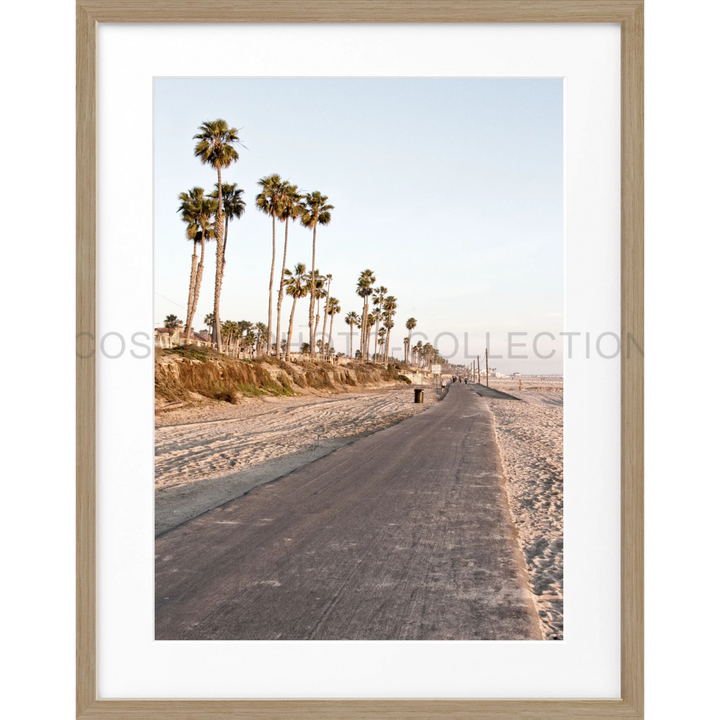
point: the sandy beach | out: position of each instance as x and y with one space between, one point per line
212 453
208 455
530 438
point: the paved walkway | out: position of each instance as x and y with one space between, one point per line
405 534
489 392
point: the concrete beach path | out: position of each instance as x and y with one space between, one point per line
403 535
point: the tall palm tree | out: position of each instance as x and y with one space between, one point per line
378 298
382 333
233 207
239 331
370 322
411 324
364 289
191 233
250 340
261 332
352 319
215 147
269 201
428 352
172 322
197 211
290 209
328 277
333 308
418 353
296 285
390 308
229 331
243 327
320 292
316 211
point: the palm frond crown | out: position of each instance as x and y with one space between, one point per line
316 209
268 200
233 203
216 143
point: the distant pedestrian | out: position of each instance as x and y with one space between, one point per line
466 381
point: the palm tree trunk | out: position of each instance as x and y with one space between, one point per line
227 226
312 296
272 273
198 280
289 337
377 327
327 300
362 329
191 292
280 291
219 255
387 347
329 342
351 337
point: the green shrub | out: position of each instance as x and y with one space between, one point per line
191 352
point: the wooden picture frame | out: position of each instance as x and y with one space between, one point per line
629 15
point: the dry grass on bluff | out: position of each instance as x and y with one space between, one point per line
183 373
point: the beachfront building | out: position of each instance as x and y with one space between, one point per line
167 338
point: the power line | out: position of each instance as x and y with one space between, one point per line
169 300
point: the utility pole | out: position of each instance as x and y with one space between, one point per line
487 369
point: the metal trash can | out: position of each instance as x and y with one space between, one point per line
418 395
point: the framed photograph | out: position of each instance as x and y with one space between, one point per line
360 350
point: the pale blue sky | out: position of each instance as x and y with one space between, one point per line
451 190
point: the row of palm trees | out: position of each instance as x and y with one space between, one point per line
207 218
249 338
282 201
381 319
423 355
240 336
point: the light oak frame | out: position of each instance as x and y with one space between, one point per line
632 15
